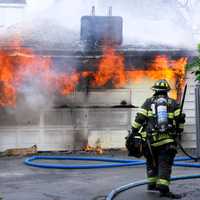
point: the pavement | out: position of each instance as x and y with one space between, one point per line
21 182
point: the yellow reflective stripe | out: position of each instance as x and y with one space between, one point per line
171 115
143 111
154 133
162 142
177 112
150 113
143 134
136 125
162 182
163 136
139 137
162 84
181 125
152 179
154 136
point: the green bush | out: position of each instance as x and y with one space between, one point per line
195 64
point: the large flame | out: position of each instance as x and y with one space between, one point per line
112 69
22 67
8 92
163 68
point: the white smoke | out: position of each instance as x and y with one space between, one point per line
34 94
145 22
155 22
152 22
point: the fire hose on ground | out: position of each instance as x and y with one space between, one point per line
111 163
135 184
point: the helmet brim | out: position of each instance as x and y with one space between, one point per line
160 89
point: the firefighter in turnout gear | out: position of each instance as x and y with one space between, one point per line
157 123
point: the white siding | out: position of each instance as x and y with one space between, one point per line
189 135
61 129
70 128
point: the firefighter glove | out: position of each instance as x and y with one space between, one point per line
134 144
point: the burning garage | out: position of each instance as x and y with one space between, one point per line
66 96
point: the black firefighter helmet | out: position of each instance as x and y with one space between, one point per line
161 86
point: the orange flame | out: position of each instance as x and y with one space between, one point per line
23 67
8 92
88 148
112 69
163 68
98 150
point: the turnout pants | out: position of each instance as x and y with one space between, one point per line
159 166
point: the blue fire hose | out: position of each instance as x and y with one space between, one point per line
120 189
179 161
110 162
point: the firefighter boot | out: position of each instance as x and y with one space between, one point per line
165 192
171 195
152 187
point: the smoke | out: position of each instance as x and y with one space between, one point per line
34 94
156 22
56 24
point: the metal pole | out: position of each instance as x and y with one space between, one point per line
197 115
93 11
110 11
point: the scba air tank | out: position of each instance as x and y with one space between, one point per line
162 116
